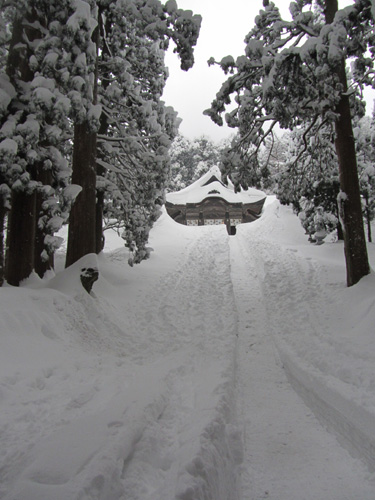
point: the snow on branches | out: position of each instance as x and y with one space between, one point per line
292 74
289 71
136 126
97 64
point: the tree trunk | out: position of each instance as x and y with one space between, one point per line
368 218
340 232
41 266
21 237
82 221
103 129
99 221
350 209
369 231
357 265
2 251
21 220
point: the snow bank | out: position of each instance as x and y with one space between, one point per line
322 329
132 391
122 393
331 402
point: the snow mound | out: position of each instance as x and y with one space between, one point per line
321 328
134 391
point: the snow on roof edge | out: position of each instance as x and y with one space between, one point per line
197 191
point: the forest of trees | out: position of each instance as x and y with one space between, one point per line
86 140
190 159
82 123
294 74
306 176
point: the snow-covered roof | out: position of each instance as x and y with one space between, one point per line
210 186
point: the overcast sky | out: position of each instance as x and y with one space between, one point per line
224 27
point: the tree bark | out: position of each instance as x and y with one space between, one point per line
82 221
21 238
369 234
357 265
350 209
2 249
340 232
41 266
21 220
103 129
99 245
368 218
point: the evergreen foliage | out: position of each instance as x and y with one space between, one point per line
190 159
293 74
365 146
310 178
305 174
81 84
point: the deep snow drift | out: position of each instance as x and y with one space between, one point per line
173 380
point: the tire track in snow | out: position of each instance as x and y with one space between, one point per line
298 285
316 360
152 422
190 451
288 455
182 311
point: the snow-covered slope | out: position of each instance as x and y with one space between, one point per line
170 381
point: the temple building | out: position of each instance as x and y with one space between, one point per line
208 201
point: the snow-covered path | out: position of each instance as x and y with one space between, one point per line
188 324
169 383
288 455
258 440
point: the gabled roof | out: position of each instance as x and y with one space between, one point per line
210 185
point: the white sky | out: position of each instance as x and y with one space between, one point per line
224 27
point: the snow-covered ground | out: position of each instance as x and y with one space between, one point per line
177 379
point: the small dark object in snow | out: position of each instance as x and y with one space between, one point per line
88 276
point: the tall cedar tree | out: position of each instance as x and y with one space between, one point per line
22 219
120 122
50 82
34 119
82 220
350 208
293 72
136 127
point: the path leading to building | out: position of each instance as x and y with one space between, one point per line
166 383
232 427
288 455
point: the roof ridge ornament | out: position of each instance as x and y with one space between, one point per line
213 178
199 205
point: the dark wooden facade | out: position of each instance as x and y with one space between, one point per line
215 210
208 201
